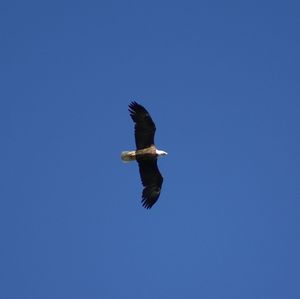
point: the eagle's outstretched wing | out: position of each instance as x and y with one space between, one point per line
152 181
144 126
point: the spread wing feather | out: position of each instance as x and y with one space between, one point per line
144 126
152 181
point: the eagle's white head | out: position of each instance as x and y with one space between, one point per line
161 153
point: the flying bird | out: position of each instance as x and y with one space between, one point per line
146 154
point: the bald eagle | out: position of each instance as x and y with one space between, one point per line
146 154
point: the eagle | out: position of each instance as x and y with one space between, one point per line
146 154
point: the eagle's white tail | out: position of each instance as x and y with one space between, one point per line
128 156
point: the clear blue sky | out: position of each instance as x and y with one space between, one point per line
220 79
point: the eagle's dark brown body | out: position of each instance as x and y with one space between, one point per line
146 154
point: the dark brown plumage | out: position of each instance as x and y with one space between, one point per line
144 129
146 154
152 181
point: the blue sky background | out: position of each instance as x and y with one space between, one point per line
220 79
